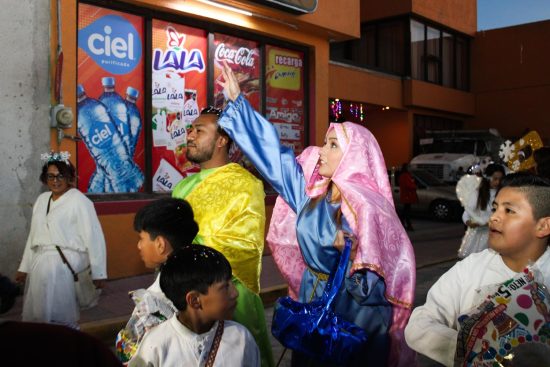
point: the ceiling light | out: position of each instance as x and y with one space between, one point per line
226 7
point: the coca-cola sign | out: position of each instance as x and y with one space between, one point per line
242 56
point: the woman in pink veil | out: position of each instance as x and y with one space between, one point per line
327 193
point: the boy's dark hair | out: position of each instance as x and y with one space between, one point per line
170 218
535 188
64 169
192 268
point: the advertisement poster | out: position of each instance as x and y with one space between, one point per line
178 95
243 56
285 105
110 101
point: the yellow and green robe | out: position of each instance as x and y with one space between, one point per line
228 205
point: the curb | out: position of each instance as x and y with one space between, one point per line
441 261
107 329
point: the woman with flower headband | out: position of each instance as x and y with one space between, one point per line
328 193
66 218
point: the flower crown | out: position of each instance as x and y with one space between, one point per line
56 157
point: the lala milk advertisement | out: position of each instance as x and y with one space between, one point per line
178 95
110 101
285 95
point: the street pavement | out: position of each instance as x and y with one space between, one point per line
435 246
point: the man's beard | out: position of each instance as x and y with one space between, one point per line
199 156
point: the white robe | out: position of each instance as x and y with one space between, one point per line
432 328
476 239
72 224
172 344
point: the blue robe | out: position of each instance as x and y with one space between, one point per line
361 300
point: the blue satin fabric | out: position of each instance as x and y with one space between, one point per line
314 329
362 300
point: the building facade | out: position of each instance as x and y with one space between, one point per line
398 67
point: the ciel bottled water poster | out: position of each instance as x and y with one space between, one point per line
110 101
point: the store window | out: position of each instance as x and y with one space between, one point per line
381 46
179 91
143 80
110 104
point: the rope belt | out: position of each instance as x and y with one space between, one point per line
320 277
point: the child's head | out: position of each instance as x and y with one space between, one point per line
520 224
494 173
163 226
199 277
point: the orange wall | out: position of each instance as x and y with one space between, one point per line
428 95
460 15
375 9
510 79
123 257
393 130
356 84
333 19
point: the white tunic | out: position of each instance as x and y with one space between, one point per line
172 344
72 224
432 328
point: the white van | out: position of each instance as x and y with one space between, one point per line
448 154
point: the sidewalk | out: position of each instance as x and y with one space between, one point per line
434 243
115 306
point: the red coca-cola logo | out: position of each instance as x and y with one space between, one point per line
242 56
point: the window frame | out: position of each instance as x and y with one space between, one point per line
210 28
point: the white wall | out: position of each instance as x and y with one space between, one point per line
24 121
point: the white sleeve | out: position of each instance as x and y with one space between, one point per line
26 261
145 355
251 352
93 238
432 328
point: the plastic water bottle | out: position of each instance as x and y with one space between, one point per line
99 183
117 109
105 144
134 118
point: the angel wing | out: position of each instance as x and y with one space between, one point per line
466 187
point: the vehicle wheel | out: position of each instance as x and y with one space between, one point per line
441 210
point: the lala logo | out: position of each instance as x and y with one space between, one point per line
113 43
175 40
177 57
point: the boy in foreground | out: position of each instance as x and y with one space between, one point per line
519 233
197 279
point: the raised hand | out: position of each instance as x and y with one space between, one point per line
230 84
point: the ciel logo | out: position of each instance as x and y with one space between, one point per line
113 43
